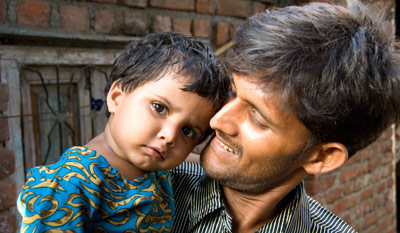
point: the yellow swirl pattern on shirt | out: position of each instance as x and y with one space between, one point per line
83 191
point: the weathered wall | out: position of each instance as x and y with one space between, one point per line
362 192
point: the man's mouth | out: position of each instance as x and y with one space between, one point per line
226 147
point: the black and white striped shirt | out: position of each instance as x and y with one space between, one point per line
200 208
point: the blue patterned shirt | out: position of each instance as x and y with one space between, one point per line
200 208
83 193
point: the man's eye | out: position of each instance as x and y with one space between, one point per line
189 132
253 116
160 108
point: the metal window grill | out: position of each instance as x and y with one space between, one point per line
63 128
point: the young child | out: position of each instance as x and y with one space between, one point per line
166 87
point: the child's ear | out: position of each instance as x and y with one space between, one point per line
113 97
326 158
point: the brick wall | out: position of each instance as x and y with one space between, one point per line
212 20
8 191
361 192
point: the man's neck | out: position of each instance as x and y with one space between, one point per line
251 211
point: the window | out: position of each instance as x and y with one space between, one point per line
62 106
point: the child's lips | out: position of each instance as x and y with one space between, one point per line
156 152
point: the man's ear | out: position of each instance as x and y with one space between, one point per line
113 97
326 158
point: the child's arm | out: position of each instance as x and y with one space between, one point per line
52 204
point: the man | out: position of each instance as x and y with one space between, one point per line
312 86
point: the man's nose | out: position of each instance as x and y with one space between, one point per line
226 118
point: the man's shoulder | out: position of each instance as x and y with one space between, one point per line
186 178
188 169
325 221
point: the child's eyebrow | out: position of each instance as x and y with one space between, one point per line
233 86
164 99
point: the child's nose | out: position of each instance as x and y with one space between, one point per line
168 134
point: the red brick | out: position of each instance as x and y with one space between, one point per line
7 163
378 201
3 11
259 7
3 97
378 148
319 185
385 171
388 133
182 26
8 194
366 194
383 225
135 23
221 34
390 182
357 184
368 206
367 153
370 219
8 224
389 208
358 211
204 6
202 28
355 158
348 174
162 24
354 201
105 1
74 18
266 1
4 132
33 13
183 5
134 3
334 195
236 8
340 206
356 227
346 218
381 187
387 158
105 21
326 1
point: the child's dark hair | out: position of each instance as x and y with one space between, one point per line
152 56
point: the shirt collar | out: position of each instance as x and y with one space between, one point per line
295 217
208 198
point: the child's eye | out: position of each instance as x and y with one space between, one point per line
160 108
231 94
189 132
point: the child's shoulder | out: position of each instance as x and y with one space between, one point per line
76 164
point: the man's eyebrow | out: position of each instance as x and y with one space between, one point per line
266 117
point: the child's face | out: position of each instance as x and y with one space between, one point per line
157 125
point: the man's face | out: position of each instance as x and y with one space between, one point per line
258 144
